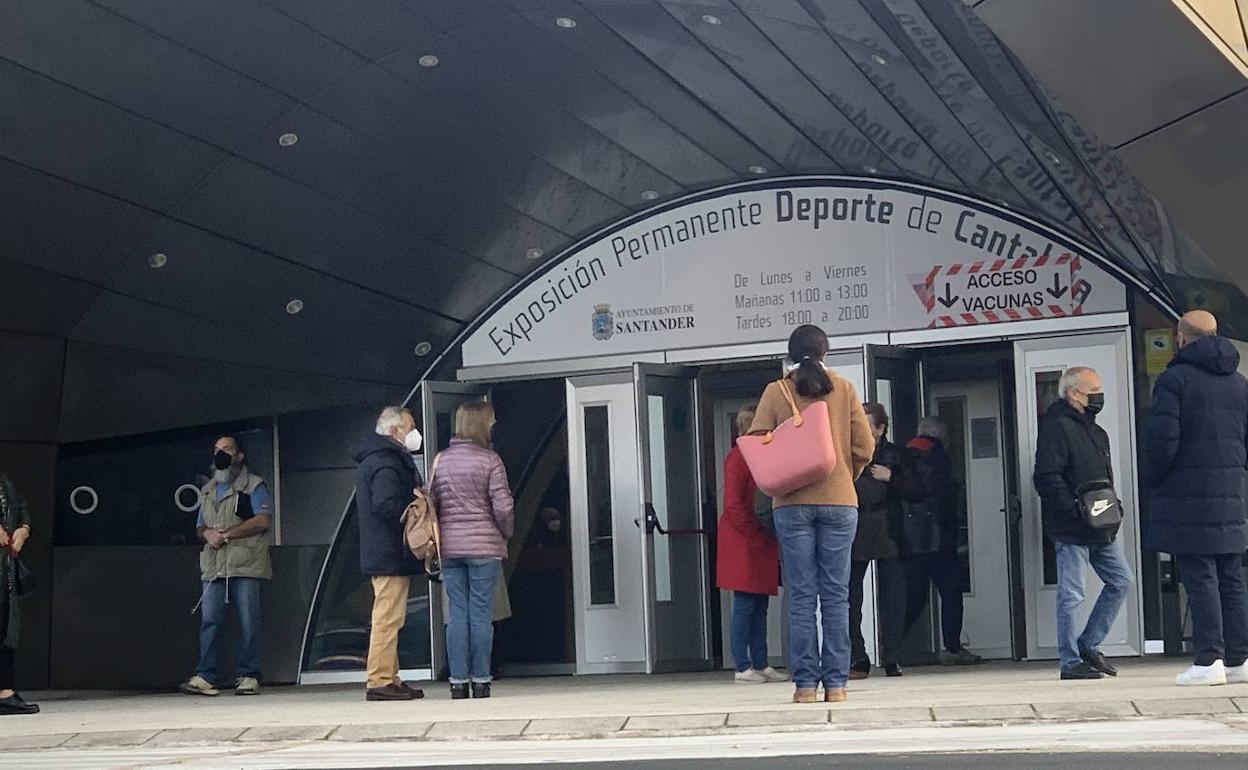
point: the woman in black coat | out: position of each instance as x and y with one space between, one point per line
879 513
14 531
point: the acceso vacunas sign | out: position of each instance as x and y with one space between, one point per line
745 266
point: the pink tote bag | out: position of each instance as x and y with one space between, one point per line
796 454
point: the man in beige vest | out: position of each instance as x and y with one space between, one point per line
235 513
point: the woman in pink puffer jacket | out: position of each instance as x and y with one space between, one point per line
473 499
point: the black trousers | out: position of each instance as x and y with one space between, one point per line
7 677
1219 601
891 590
945 570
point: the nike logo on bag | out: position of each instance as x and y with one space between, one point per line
1100 506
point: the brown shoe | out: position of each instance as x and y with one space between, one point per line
856 675
416 692
388 692
835 695
804 695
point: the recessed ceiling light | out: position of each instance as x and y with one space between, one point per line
565 22
288 140
534 253
428 60
423 348
294 306
1002 202
157 260
880 60
1056 161
714 21
871 169
649 195
758 169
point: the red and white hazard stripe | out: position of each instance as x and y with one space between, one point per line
928 295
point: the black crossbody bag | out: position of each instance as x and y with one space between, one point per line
1099 505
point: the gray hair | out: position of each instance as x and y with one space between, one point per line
1072 378
391 418
932 427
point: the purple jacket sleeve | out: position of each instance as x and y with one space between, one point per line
501 502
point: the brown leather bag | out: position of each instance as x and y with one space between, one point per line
420 526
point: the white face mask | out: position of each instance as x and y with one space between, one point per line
413 441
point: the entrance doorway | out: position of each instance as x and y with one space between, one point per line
639 545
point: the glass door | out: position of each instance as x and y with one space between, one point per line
674 550
1038 368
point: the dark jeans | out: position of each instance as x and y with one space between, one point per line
244 595
1219 602
890 579
945 571
7 677
749 630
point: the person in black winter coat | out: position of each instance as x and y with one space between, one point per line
929 537
384 484
879 517
1072 450
1196 453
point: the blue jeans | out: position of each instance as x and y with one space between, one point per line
244 595
749 630
1110 564
470 586
815 542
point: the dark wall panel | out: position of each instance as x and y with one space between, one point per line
312 504
32 467
113 392
32 379
139 600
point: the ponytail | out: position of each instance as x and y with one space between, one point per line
807 347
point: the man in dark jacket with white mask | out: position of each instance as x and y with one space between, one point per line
384 485
1196 455
1072 454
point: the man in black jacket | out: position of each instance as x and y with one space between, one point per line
384 484
1196 456
1071 451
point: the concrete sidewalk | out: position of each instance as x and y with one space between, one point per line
622 707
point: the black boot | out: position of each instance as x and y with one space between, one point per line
15 705
480 689
459 691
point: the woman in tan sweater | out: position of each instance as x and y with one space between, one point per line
816 524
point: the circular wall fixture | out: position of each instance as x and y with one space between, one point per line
714 21
294 306
565 22
157 260
534 253
177 498
649 195
758 169
80 508
428 60
423 349
880 60
288 140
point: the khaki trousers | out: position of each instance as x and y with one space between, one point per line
389 614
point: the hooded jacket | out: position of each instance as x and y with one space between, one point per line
384 482
1071 450
1196 452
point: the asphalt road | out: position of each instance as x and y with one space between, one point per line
982 761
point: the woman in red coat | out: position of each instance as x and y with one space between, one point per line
748 564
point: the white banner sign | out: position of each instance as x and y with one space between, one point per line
747 265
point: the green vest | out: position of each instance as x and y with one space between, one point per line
246 557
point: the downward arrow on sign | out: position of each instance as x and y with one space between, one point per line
1058 291
949 297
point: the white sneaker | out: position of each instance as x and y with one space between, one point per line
750 676
1198 676
773 675
247 685
1237 674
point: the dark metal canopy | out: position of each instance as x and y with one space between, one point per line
175 175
